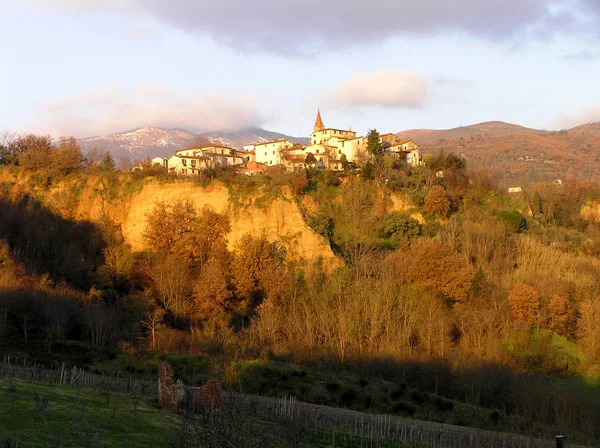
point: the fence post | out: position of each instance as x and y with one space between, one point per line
560 441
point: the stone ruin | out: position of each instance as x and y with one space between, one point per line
175 396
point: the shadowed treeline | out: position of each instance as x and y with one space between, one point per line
46 243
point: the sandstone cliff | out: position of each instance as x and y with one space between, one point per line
127 204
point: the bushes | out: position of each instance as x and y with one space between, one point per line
513 220
399 226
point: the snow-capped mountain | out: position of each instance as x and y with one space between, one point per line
154 141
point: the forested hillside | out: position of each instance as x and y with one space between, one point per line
517 156
441 287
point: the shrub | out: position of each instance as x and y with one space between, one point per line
399 226
436 201
513 220
404 407
348 397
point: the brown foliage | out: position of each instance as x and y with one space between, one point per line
436 201
436 267
560 317
211 292
177 229
588 328
524 302
258 270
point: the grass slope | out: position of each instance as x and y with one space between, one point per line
70 414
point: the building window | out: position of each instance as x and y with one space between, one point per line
317 151
184 162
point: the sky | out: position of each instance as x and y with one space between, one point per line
93 67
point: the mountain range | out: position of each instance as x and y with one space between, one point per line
152 141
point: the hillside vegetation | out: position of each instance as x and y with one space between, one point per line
439 286
517 156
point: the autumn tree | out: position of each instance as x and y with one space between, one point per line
524 303
258 271
34 151
211 291
436 201
560 314
177 229
588 328
299 181
66 157
435 267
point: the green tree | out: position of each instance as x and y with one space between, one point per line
34 151
108 162
374 145
310 159
345 163
398 226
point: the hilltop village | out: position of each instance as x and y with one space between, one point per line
329 149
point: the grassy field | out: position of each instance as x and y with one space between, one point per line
52 416
41 415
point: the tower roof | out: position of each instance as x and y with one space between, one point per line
319 126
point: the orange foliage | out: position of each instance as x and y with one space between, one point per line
524 302
436 201
436 267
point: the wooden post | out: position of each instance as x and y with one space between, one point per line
560 442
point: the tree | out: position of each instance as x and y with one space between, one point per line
436 201
211 292
258 271
398 226
435 267
513 219
152 322
108 162
588 328
34 151
344 162
561 314
66 157
374 145
310 159
299 182
524 303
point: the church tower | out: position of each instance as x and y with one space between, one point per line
319 126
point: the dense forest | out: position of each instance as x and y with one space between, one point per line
464 292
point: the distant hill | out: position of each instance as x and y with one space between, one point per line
489 128
518 156
154 141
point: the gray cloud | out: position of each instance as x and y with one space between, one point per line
301 27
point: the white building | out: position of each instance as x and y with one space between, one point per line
270 153
191 161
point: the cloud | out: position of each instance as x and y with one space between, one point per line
142 31
387 88
580 56
590 115
302 27
113 108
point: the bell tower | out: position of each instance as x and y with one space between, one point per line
319 126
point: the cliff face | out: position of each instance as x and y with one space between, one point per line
93 198
280 220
